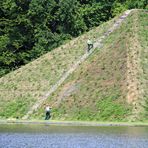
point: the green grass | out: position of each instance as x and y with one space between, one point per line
143 38
72 123
15 108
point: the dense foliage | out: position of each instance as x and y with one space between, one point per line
30 28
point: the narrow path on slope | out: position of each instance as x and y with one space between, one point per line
97 44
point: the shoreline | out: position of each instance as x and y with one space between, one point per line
73 123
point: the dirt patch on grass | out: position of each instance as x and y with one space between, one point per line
133 71
67 90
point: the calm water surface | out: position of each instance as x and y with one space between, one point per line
50 136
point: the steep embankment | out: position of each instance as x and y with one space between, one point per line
21 89
108 87
143 78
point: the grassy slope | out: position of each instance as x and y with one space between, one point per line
20 89
98 89
143 38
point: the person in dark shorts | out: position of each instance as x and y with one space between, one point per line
48 112
89 44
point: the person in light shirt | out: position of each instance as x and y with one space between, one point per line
48 112
89 44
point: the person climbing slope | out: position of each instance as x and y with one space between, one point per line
89 45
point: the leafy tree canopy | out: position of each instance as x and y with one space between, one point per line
30 28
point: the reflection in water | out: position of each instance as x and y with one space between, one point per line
44 136
137 131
